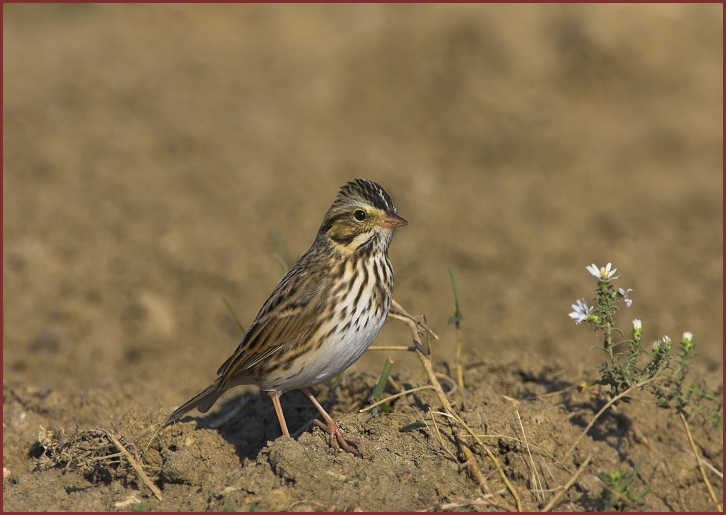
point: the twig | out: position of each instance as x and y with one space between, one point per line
396 395
389 347
476 472
415 328
700 465
474 469
398 312
135 464
438 435
630 424
447 406
459 366
480 501
535 476
610 403
712 468
456 319
567 486
557 392
448 380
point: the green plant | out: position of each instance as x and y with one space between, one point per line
660 370
623 496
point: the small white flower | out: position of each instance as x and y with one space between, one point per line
604 273
624 293
581 311
594 270
687 337
664 342
637 325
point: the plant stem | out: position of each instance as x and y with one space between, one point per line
610 403
700 465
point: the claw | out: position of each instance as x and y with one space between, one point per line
332 428
334 432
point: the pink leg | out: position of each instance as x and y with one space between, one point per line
275 396
331 427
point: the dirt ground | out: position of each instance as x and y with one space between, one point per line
161 159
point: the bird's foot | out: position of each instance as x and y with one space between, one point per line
335 434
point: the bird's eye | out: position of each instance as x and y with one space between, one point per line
359 215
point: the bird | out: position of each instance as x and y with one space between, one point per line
325 312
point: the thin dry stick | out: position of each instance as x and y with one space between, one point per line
394 384
557 392
536 482
700 465
395 396
389 347
459 366
398 312
449 381
480 501
415 328
567 486
476 472
712 468
612 401
630 424
447 407
438 435
474 469
135 464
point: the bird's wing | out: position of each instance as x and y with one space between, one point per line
285 318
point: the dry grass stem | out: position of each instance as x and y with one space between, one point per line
416 332
459 366
479 501
453 386
700 465
137 467
395 396
439 437
608 405
399 313
536 483
558 392
474 469
389 347
447 406
712 468
394 384
567 486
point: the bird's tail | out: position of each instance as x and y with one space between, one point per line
202 401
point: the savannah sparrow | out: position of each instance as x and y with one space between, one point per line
325 312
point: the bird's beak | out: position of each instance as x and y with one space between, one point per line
392 220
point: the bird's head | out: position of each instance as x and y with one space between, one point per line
361 215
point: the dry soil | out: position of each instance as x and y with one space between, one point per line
161 159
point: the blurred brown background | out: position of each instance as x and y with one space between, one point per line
157 157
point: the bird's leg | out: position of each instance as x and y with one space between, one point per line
331 427
275 396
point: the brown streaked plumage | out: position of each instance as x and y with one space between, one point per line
324 313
